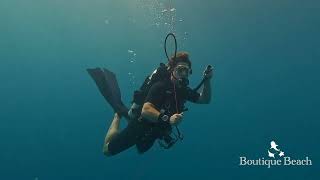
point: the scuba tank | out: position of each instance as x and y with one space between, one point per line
159 74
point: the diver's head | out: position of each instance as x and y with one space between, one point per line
180 57
180 68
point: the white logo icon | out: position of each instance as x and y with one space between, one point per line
274 150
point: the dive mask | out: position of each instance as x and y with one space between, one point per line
181 75
183 70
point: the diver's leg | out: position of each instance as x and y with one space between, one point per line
122 140
112 132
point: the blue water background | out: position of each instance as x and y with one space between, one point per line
265 86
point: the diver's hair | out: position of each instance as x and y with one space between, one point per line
180 57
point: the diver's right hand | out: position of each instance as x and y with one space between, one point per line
176 119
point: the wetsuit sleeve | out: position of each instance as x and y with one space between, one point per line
155 95
192 95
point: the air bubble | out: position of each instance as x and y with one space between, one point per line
165 10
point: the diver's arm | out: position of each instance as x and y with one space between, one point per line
149 112
205 95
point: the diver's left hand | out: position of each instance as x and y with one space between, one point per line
208 74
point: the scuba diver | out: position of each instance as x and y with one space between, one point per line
156 108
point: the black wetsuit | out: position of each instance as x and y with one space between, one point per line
143 133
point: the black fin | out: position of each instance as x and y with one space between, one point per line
109 88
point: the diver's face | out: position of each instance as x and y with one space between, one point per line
181 71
